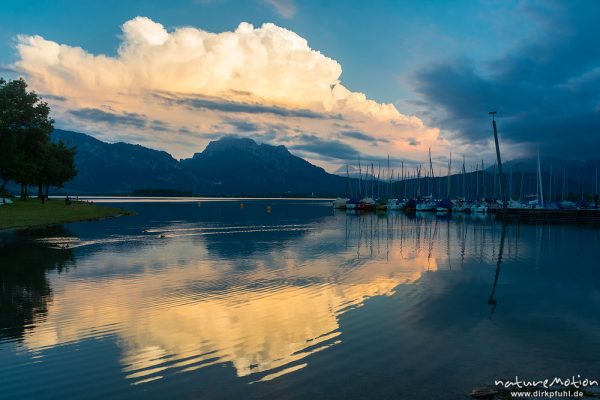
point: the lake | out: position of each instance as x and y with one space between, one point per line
231 299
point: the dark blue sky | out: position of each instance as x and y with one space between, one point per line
546 87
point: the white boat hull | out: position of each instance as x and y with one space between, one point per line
426 207
340 203
479 209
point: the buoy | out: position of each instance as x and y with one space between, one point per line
241 205
199 204
269 209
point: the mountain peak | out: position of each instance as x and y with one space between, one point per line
228 143
232 165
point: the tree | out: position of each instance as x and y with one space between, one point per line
8 142
8 157
58 166
25 128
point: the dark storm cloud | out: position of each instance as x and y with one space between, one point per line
214 135
98 115
261 132
160 126
217 104
264 137
47 96
413 142
243 126
187 132
546 91
326 149
358 135
315 147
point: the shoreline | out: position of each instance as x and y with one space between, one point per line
32 213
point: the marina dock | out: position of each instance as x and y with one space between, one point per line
577 217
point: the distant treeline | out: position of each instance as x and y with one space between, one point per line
27 156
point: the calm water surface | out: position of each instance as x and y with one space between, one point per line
215 300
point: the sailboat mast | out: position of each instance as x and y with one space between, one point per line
510 183
494 185
419 181
550 189
347 180
596 180
541 190
359 189
564 183
483 193
372 179
449 172
596 192
379 180
404 179
521 185
498 159
390 179
464 192
430 170
439 193
477 179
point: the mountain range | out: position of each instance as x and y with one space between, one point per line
230 166
234 166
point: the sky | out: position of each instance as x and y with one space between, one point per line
333 81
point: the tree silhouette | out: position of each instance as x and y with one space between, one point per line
27 156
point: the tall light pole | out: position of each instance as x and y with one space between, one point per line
493 114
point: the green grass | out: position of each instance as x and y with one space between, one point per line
32 213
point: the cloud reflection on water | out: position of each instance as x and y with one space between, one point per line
179 305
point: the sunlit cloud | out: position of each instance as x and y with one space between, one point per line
174 90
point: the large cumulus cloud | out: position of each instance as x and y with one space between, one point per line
269 63
192 80
546 89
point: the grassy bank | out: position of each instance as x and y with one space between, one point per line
32 213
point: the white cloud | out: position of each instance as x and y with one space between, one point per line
268 66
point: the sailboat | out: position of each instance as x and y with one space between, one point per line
428 204
340 202
445 205
352 203
397 204
479 207
462 205
512 203
538 202
367 203
381 202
